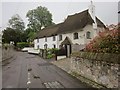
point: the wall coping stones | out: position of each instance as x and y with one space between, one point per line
105 57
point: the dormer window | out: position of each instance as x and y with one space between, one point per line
88 35
75 35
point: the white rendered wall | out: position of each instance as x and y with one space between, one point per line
42 42
82 40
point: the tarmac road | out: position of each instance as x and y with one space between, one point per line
31 71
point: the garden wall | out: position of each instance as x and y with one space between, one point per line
7 52
103 68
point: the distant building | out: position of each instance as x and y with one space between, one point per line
78 29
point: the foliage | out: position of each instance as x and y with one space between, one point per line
29 34
106 42
51 52
49 56
38 18
15 31
16 23
10 34
22 44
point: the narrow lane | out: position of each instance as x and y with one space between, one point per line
31 71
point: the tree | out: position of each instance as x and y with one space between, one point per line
16 23
30 34
9 34
38 18
15 31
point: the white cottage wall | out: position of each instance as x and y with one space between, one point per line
81 36
50 43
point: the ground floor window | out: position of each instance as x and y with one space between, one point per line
37 46
54 46
45 46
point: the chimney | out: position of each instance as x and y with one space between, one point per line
91 11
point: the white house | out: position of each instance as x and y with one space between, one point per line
77 29
47 38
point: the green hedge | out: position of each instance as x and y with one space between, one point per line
22 44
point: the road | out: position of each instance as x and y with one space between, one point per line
31 71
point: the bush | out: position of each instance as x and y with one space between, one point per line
51 53
106 42
22 44
49 56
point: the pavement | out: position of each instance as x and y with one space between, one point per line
31 71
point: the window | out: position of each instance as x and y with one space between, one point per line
37 40
54 38
75 35
37 46
45 46
54 46
88 36
45 39
60 37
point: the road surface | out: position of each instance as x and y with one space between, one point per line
31 71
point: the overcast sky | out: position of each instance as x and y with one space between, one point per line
105 11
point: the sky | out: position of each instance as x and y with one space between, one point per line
106 11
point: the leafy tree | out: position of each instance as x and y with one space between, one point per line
38 18
16 23
9 35
30 34
15 31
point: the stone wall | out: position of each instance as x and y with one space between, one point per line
102 68
7 52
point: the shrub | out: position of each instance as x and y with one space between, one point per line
22 44
49 56
51 52
106 42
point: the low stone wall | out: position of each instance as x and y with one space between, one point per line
7 52
101 68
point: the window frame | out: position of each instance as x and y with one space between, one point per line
54 38
54 46
75 35
88 35
60 37
38 47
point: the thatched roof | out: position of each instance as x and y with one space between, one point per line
72 23
48 31
78 21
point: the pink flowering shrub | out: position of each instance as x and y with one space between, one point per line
106 42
